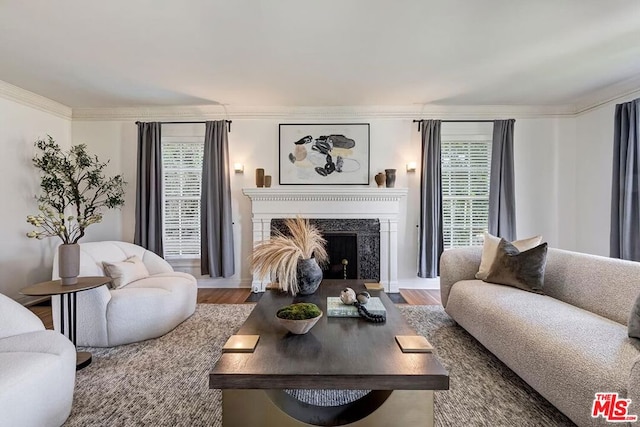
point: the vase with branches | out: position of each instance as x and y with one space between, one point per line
74 192
294 259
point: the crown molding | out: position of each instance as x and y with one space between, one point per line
616 92
216 112
33 100
612 93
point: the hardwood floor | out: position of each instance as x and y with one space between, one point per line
239 296
421 296
43 311
223 296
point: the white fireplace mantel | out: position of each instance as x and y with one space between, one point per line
333 202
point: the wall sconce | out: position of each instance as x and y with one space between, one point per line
411 166
238 167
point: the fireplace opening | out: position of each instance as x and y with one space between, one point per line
363 233
342 249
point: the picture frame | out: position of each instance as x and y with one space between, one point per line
324 154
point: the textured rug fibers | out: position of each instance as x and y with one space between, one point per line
482 390
164 382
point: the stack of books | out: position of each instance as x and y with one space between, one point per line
335 308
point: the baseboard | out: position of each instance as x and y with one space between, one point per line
224 283
419 283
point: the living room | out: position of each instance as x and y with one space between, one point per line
85 74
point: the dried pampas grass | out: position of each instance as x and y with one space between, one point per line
278 257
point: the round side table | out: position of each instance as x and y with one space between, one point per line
68 298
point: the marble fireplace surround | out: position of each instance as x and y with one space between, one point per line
366 235
382 204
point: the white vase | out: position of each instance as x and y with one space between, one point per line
69 263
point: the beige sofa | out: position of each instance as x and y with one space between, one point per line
567 344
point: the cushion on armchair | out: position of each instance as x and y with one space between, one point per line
125 272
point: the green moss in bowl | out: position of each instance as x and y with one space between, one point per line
299 318
299 311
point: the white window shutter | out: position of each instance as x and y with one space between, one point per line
466 165
182 179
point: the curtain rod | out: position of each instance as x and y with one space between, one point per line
419 122
461 121
190 123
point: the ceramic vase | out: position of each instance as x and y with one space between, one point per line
267 181
309 276
380 179
391 177
69 263
259 178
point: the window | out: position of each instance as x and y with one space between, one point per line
181 177
466 165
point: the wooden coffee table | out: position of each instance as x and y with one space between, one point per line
338 353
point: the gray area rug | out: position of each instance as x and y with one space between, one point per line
164 382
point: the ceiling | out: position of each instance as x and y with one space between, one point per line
118 53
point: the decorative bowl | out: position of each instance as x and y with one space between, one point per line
299 327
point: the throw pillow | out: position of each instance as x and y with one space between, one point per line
523 270
633 329
125 272
490 249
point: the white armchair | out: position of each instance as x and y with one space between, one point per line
143 309
37 370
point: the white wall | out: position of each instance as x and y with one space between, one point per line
394 142
594 146
535 146
594 149
561 165
563 182
23 261
565 167
115 142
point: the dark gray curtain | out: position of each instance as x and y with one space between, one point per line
148 232
216 225
502 194
625 203
431 234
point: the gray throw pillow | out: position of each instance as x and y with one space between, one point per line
523 270
634 320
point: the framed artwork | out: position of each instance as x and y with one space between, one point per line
324 154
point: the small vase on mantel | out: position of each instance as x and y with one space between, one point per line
69 263
391 177
380 179
259 177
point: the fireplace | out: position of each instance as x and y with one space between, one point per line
342 250
355 240
370 213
